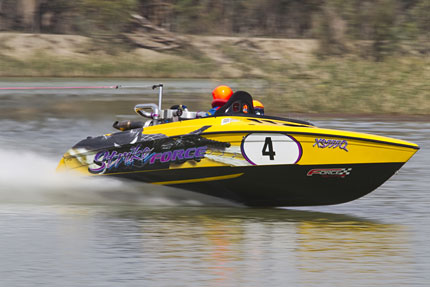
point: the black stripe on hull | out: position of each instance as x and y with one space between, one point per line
277 185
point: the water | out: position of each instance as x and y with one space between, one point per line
57 230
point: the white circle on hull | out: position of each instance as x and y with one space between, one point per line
270 148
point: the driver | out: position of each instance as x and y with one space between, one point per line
258 107
221 95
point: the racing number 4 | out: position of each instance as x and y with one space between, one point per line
268 148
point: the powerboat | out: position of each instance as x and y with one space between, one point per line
255 160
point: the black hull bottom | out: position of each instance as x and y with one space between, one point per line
277 185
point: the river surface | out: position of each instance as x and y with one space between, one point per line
61 231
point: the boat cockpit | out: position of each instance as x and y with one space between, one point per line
239 104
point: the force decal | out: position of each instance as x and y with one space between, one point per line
324 143
137 156
330 172
179 154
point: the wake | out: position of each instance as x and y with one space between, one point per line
27 177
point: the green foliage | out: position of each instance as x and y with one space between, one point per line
290 18
373 29
383 28
386 24
41 64
103 17
355 86
420 25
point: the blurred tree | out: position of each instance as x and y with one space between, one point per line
330 29
55 16
421 15
103 17
383 32
8 15
159 12
385 24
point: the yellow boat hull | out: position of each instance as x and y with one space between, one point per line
252 160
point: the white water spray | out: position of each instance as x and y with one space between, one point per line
28 177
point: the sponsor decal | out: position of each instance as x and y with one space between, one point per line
329 143
137 156
179 154
134 151
330 172
226 121
106 160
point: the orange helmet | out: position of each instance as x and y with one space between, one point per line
221 95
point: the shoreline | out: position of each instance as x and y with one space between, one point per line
309 116
297 80
370 117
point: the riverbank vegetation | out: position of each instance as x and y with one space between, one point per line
315 55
